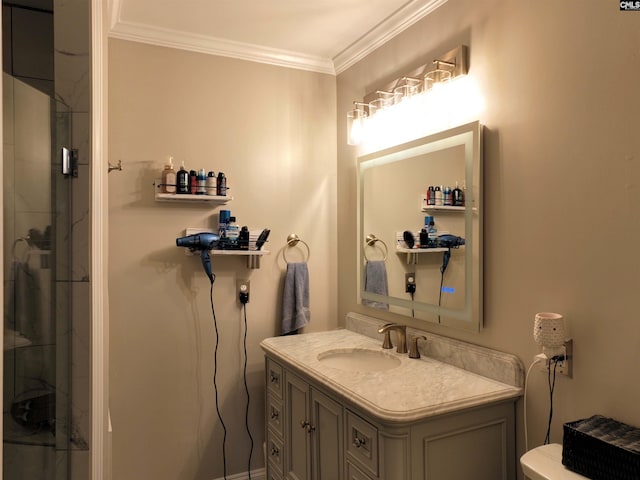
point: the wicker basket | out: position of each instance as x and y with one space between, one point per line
602 449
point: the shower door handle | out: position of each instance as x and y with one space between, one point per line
69 162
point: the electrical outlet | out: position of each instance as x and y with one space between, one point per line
243 290
410 282
563 367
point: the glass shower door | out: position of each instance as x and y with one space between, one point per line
38 419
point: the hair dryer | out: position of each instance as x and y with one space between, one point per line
204 242
448 241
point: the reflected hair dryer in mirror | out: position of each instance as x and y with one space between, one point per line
202 242
450 241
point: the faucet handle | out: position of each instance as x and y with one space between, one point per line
386 343
413 346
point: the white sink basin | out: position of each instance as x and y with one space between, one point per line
359 360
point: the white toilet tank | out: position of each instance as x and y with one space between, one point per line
545 463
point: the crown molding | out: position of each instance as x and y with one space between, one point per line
394 24
164 37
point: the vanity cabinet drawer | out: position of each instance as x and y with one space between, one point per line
275 455
362 443
274 415
274 378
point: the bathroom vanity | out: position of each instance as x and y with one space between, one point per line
338 406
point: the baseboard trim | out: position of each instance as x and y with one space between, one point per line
259 474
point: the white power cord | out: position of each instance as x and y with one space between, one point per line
537 360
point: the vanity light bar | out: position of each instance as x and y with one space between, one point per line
455 61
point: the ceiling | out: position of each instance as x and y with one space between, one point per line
325 36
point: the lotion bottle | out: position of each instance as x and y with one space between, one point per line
169 178
211 184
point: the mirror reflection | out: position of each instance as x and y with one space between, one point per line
420 222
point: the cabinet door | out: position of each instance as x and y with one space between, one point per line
477 444
327 449
297 459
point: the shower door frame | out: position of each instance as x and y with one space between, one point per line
100 458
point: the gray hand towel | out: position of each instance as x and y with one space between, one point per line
375 281
295 300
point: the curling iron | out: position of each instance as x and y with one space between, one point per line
203 242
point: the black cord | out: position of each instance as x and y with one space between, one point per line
215 386
246 387
413 312
552 385
442 269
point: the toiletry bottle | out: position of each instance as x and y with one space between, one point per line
211 184
431 195
201 179
182 180
169 178
193 182
432 232
222 184
458 197
233 232
223 223
243 238
438 195
424 238
448 196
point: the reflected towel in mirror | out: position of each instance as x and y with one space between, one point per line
375 281
295 300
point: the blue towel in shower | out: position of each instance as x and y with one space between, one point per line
295 300
375 281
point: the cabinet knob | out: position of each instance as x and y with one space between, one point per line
274 378
274 414
274 452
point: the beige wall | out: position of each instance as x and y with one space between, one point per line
562 172
272 131
561 181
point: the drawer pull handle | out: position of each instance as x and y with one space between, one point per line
275 452
274 378
359 442
274 414
307 426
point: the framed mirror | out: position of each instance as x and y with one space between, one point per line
431 272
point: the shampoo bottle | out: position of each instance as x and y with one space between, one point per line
201 182
221 184
193 182
182 180
211 184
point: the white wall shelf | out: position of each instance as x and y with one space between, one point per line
442 208
253 256
189 198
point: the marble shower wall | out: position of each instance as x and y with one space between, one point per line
72 60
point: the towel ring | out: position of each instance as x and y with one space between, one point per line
371 240
292 241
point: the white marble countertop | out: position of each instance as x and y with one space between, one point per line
415 390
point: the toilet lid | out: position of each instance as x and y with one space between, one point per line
545 463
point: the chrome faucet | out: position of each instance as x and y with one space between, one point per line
414 352
401 332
